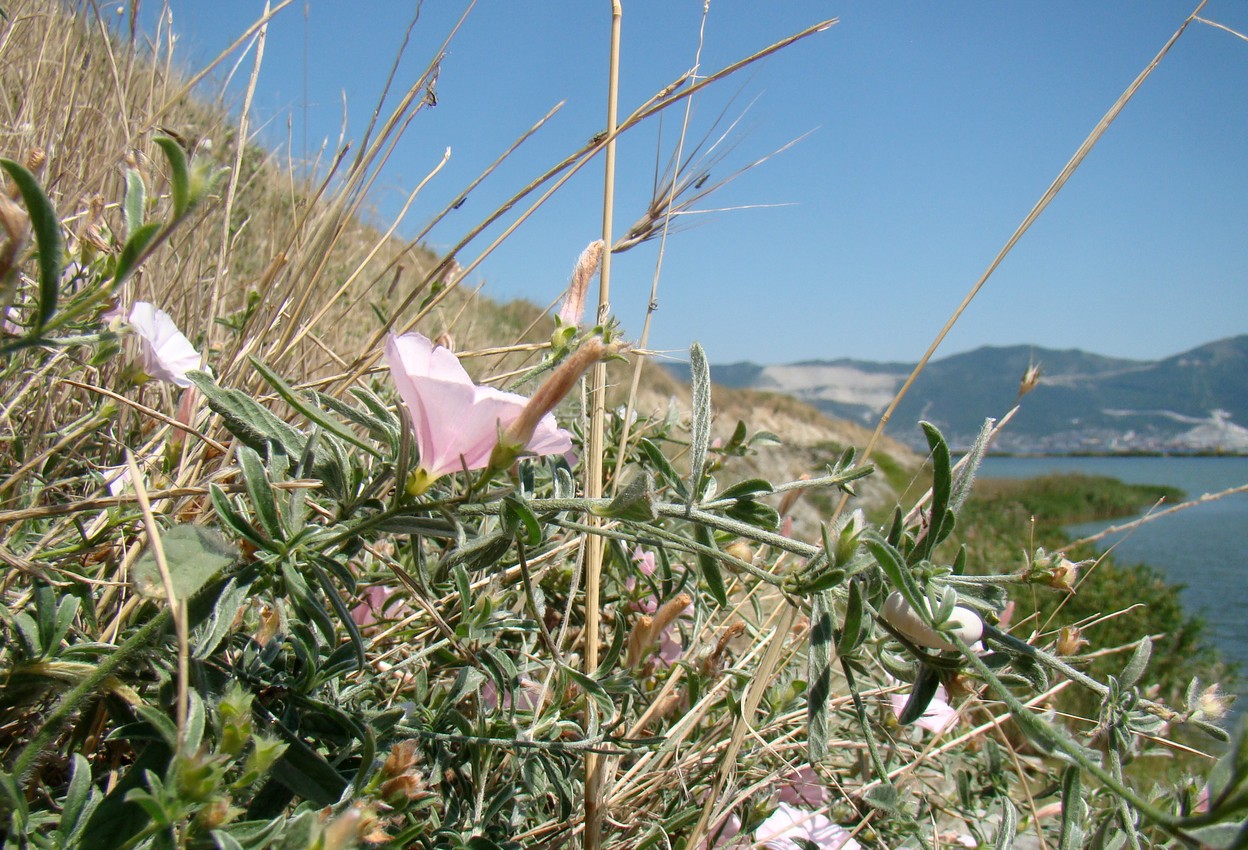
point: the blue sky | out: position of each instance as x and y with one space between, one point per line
930 131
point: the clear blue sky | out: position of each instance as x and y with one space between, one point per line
933 129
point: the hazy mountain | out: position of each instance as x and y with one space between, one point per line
1195 401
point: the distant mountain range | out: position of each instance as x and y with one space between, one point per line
1192 402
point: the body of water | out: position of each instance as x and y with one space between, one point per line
1202 548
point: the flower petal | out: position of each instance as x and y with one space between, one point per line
456 423
166 353
788 823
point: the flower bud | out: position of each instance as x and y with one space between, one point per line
572 309
1070 640
963 622
520 433
401 759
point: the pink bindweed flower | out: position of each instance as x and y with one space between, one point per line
455 422
788 826
802 787
644 560
378 603
164 351
528 695
938 717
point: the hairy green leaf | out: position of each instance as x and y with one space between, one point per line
819 677
194 554
47 229
700 427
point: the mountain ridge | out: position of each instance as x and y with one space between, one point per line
1194 401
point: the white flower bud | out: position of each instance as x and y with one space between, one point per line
963 622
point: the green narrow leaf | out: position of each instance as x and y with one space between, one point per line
852 630
744 489
942 483
234 521
709 566
220 620
819 677
925 686
196 720
1139 661
757 514
27 633
133 250
1009 826
260 490
520 519
593 689
306 772
251 422
66 611
45 616
309 411
896 529
136 201
899 576
47 229
635 502
179 174
1074 810
663 465
225 841
76 796
383 430
344 613
307 603
160 723
700 427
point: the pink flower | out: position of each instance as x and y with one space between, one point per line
802 787
644 560
165 353
377 604
645 563
528 695
938 717
787 825
457 423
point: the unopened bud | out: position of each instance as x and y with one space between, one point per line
740 550
1212 704
572 310
1070 640
35 160
518 435
400 789
401 759
345 830
639 639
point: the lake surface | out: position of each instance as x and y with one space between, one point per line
1203 547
